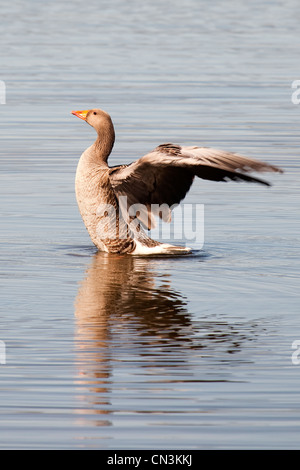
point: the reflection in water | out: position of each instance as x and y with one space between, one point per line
118 289
127 310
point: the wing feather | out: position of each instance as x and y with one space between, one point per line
165 175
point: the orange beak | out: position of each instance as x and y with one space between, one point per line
81 114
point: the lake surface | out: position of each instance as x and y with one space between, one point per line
114 352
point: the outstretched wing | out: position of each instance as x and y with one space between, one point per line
164 176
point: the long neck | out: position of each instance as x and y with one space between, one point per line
104 142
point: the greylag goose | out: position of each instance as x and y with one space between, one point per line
152 184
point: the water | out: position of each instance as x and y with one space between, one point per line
111 352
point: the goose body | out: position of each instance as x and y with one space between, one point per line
118 203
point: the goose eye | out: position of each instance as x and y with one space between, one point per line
94 112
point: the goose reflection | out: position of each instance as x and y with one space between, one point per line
122 297
122 290
129 316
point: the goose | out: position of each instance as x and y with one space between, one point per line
118 204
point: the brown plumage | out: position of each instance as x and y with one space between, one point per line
161 178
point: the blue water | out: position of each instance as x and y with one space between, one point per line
111 352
